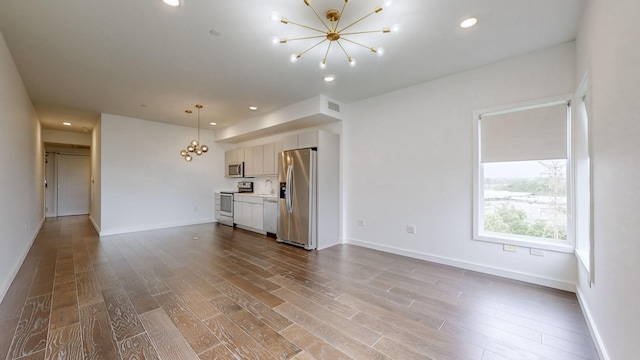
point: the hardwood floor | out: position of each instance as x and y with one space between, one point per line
211 292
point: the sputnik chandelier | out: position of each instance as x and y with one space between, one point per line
194 146
333 33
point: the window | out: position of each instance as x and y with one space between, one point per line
522 176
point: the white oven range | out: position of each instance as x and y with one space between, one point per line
224 207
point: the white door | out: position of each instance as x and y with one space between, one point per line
74 184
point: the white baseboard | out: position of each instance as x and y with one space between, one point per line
595 334
506 273
124 230
25 252
95 226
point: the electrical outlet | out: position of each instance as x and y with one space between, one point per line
536 252
510 248
411 229
360 222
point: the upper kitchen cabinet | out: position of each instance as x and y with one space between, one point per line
303 140
258 160
254 161
270 156
308 139
234 156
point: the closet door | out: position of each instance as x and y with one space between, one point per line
74 173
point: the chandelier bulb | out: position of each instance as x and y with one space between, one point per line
379 51
204 148
323 64
275 16
352 61
395 28
188 158
294 57
198 152
194 143
183 152
191 149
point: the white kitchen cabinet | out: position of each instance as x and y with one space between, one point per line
248 212
290 142
233 157
249 163
271 215
258 159
257 216
269 156
217 202
237 211
303 140
308 139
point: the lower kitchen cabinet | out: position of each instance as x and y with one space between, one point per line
248 211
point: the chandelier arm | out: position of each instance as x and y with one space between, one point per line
324 60
341 14
302 53
344 51
357 21
357 43
363 32
308 27
308 37
318 16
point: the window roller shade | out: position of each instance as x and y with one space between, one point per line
531 134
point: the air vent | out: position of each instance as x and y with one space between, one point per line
333 106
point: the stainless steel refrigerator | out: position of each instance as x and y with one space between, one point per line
297 215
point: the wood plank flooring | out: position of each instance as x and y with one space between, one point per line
213 292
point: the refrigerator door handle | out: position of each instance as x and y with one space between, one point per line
289 188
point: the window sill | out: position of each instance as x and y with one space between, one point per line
563 246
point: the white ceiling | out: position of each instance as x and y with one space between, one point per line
146 60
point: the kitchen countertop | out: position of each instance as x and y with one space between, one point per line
254 194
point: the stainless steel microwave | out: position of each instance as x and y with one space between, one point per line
235 170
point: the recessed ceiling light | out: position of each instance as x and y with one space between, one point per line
172 2
253 108
212 123
467 23
66 123
329 78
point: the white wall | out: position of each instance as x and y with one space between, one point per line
608 51
22 171
408 160
146 184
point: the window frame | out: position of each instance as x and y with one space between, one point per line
566 246
584 247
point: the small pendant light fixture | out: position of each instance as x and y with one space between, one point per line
194 146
